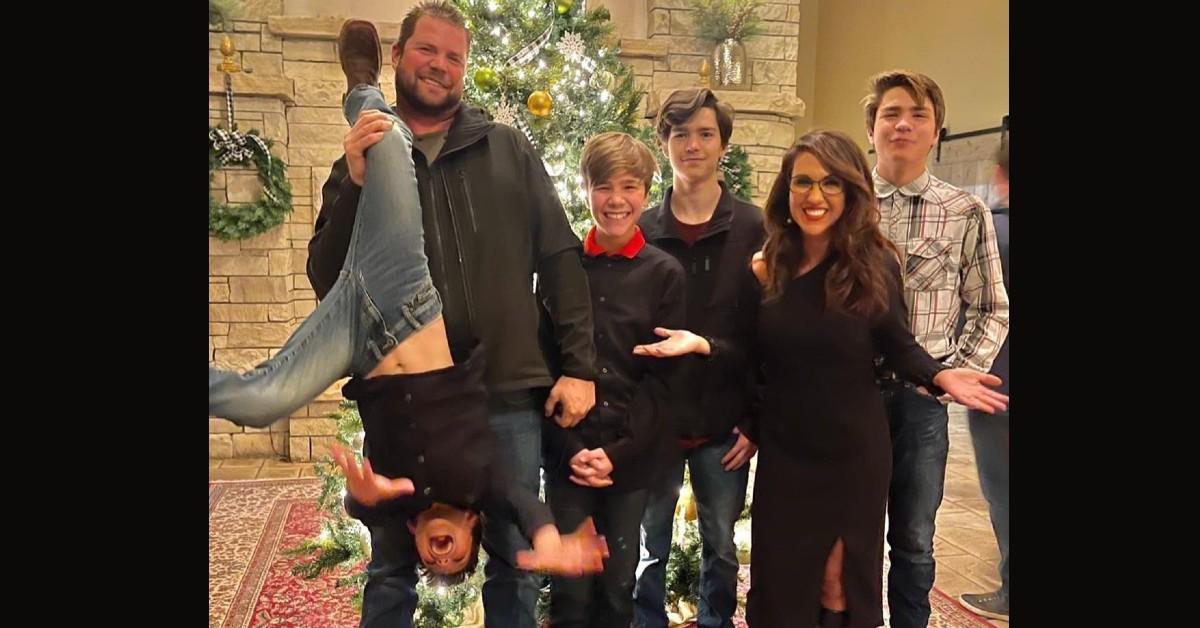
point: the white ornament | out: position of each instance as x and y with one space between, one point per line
506 114
571 46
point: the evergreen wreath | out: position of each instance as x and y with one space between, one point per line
235 222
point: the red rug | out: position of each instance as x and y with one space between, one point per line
250 581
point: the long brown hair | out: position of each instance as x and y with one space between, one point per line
857 282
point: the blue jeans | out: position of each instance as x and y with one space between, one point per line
720 497
509 595
390 595
382 295
989 435
920 443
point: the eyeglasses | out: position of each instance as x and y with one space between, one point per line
830 186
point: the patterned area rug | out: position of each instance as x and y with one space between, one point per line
250 582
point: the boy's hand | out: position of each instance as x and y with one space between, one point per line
741 452
580 553
363 485
591 467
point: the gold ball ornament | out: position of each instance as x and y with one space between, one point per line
540 104
486 79
563 7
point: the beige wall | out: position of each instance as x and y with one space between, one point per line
806 60
628 16
962 45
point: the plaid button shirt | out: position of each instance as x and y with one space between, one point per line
948 251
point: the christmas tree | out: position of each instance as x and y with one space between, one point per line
552 70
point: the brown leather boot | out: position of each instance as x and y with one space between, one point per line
359 52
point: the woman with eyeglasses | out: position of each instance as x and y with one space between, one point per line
833 302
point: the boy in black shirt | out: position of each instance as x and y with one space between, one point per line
600 466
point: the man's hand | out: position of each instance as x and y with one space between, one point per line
577 397
367 131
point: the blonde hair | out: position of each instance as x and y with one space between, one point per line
608 154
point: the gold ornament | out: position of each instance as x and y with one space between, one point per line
563 7
540 104
689 509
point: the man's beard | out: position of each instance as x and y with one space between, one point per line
407 91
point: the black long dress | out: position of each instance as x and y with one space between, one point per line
825 458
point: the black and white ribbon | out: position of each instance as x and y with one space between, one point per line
236 147
531 50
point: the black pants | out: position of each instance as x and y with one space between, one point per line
603 600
